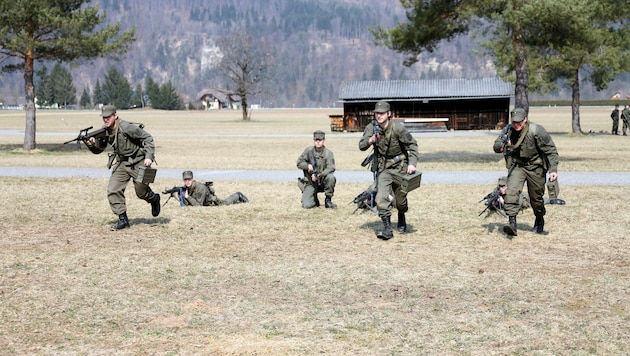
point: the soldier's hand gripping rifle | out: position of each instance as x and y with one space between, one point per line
493 202
315 183
85 135
172 191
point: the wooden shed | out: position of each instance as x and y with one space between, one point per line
425 105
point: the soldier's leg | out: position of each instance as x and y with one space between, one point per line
384 204
384 188
329 185
144 192
116 190
515 183
400 200
512 205
329 190
308 197
232 199
536 189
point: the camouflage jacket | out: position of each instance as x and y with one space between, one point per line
130 142
395 141
537 148
201 195
325 161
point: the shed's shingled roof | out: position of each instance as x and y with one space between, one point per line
425 89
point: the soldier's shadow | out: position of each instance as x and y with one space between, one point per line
145 221
377 225
498 227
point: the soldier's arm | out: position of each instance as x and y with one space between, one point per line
548 147
364 143
411 145
148 145
303 161
330 164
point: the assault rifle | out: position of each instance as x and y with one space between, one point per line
365 200
493 203
85 135
172 191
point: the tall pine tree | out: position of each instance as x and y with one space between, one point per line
62 30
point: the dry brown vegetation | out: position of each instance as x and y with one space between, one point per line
269 278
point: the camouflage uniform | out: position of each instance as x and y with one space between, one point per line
131 145
325 168
625 116
528 163
201 195
615 120
396 150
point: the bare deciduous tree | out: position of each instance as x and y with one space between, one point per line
245 65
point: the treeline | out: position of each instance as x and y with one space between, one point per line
56 90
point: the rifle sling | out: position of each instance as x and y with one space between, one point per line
520 139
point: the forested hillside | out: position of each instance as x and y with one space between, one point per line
316 45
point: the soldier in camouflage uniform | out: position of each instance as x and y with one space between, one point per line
625 116
397 153
614 115
133 148
530 153
318 164
201 194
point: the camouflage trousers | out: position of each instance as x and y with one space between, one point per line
387 185
535 178
309 197
118 183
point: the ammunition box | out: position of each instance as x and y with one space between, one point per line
146 175
408 182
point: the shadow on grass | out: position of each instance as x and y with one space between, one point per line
470 156
45 148
145 221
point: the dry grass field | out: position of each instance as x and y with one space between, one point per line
269 278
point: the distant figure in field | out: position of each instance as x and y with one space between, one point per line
625 116
615 120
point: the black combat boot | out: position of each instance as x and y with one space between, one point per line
123 222
155 205
539 224
510 228
387 232
329 204
402 222
242 198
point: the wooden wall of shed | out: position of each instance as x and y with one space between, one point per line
462 114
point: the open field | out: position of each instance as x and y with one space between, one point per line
274 139
269 278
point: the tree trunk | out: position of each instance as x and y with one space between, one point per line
244 108
29 132
521 87
575 103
